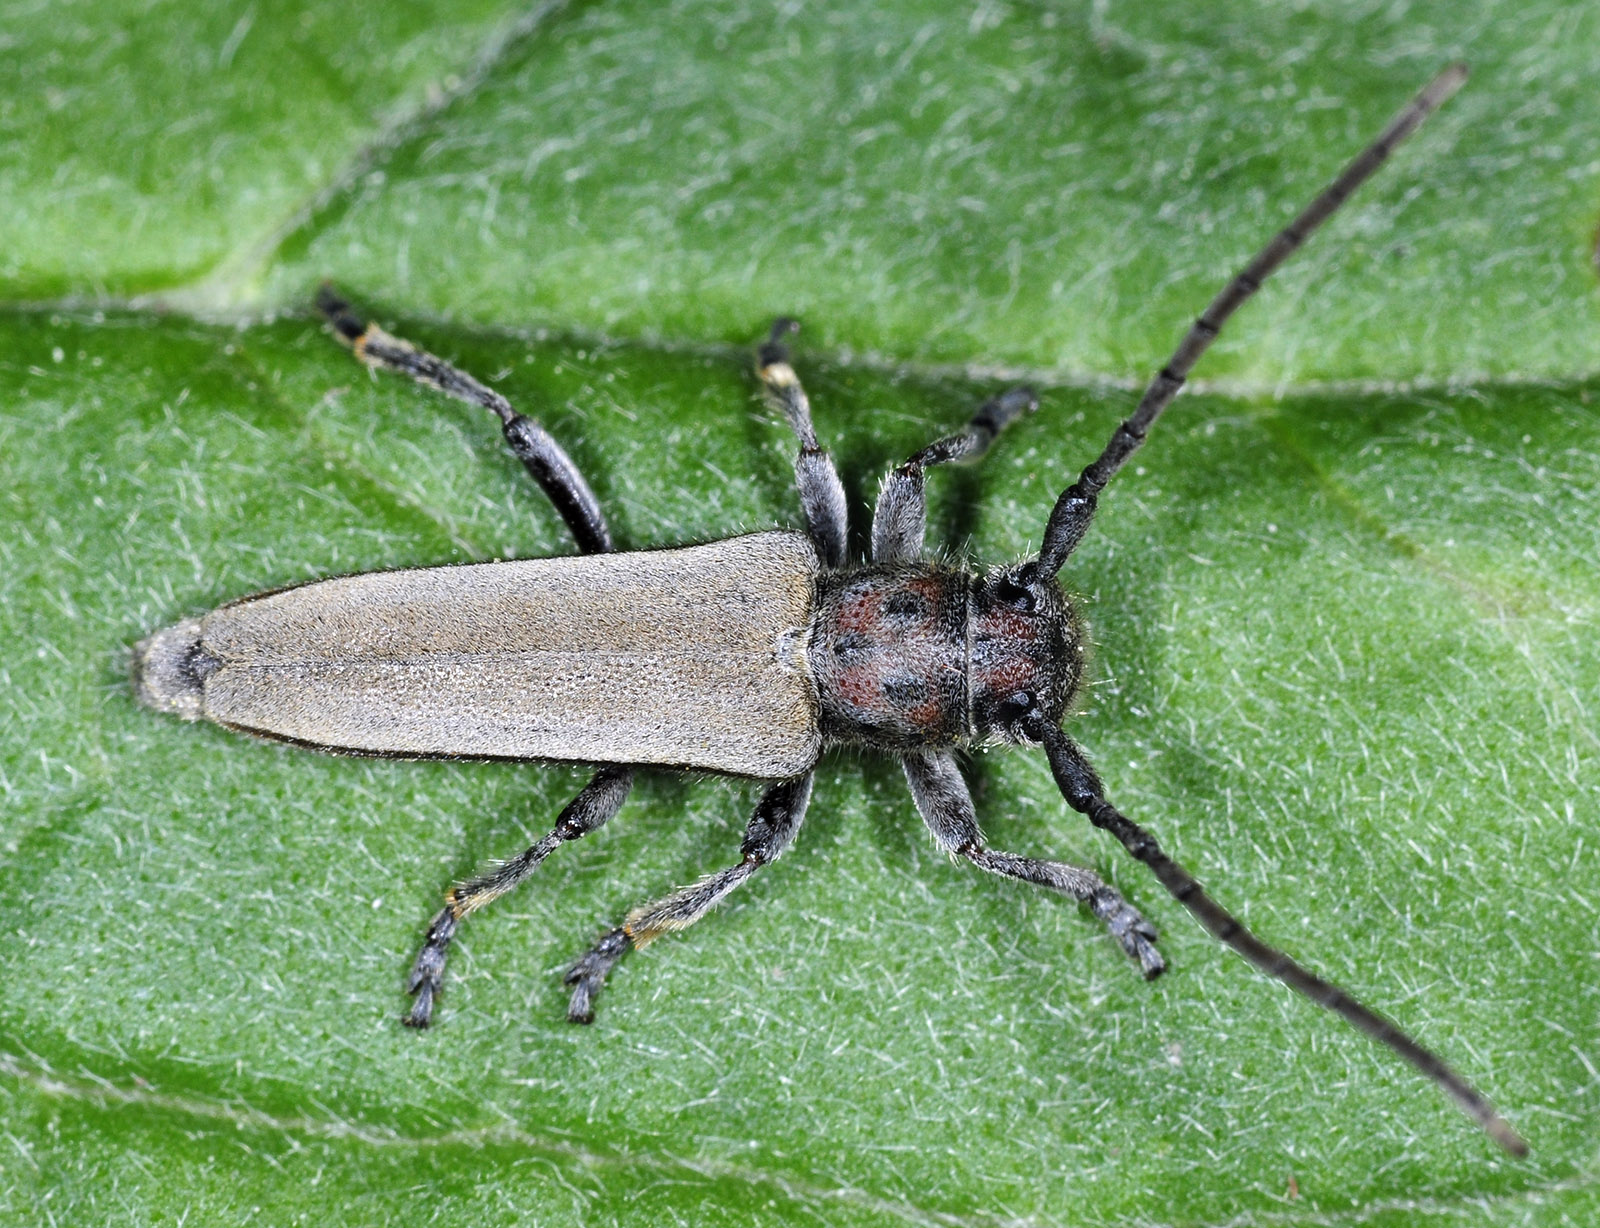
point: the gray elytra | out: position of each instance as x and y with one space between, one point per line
749 656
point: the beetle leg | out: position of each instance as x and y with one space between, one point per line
946 805
566 488
534 446
902 512
821 492
600 799
771 830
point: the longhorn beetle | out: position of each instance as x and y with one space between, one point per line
748 656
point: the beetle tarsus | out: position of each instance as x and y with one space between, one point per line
588 976
420 1016
1130 928
427 974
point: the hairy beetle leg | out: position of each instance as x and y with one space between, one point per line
770 831
822 497
899 523
594 807
546 461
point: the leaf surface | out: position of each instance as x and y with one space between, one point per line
1344 607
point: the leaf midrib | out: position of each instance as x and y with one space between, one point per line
238 1114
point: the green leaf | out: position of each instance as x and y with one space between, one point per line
149 144
1344 609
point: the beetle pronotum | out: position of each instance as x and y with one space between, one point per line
748 656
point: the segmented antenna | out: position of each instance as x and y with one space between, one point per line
1070 519
1075 508
1081 787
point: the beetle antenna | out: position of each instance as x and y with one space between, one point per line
1081 787
1075 508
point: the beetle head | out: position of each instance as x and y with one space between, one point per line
1027 652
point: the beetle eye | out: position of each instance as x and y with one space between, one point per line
1016 595
1015 706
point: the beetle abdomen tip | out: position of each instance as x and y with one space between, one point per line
168 671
